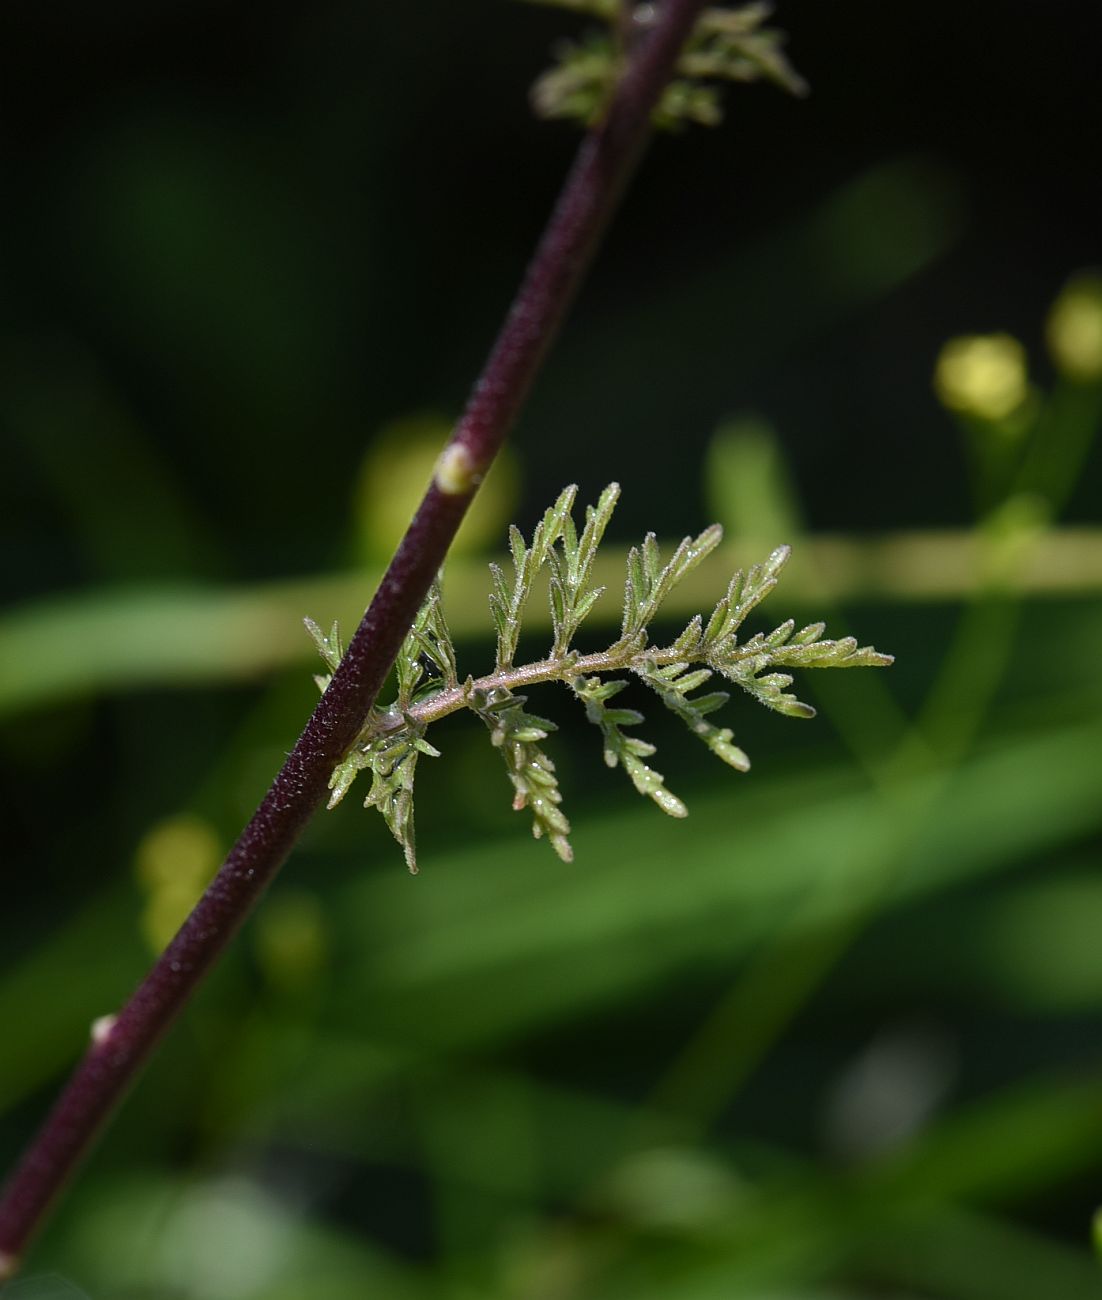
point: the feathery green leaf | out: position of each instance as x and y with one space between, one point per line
428 686
517 735
624 751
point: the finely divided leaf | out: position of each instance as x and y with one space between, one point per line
649 582
517 735
507 604
624 751
750 665
745 592
725 45
426 660
329 647
571 565
391 759
392 739
673 685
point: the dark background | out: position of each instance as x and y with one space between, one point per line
237 244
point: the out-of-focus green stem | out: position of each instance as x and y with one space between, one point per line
118 639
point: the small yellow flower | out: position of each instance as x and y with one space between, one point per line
982 375
1074 329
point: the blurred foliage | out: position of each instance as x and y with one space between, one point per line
174 863
398 464
834 1036
1074 329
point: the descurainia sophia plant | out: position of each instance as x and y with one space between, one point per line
429 686
656 40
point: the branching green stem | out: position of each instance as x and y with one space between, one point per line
563 668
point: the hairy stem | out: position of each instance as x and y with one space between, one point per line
557 668
121 1045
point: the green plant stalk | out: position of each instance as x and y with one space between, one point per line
121 1044
555 668
558 668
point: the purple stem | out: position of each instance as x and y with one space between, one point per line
120 1048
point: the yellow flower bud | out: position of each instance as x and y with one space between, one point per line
1074 329
982 375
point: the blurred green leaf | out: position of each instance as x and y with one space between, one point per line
121 639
